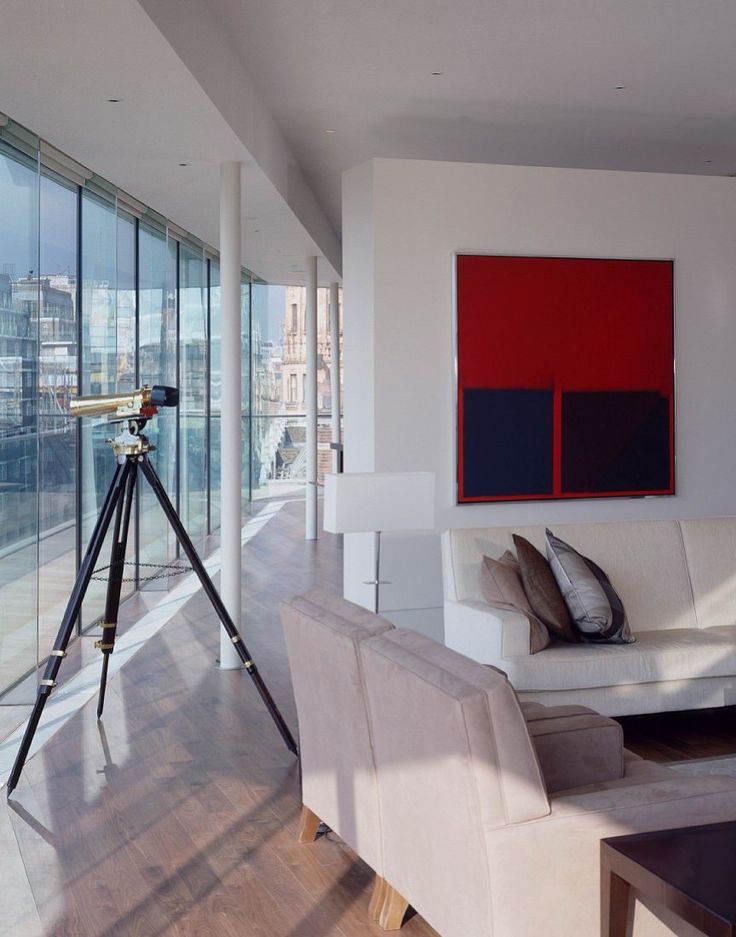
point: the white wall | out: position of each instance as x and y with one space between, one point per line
403 222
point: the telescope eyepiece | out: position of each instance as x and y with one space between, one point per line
164 396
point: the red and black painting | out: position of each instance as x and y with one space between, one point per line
565 378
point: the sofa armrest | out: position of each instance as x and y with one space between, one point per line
577 750
486 634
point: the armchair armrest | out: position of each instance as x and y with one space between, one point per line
560 854
486 634
577 749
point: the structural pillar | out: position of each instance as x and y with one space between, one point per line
231 448
310 401
335 369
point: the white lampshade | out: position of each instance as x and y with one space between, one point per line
364 501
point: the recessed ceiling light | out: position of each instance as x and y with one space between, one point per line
436 74
330 131
114 100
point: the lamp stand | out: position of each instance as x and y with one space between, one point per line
377 582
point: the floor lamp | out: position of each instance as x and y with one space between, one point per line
357 502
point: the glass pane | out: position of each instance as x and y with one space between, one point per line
57 385
192 391
278 434
99 373
19 286
279 455
125 338
157 344
215 394
125 359
245 294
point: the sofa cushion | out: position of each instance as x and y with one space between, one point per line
543 592
595 607
675 654
500 583
710 547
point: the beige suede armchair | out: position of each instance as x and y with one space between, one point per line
339 784
471 836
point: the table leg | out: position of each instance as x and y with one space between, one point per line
615 902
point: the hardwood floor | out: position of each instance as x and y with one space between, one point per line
178 814
704 733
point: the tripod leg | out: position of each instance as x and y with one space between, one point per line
115 578
68 621
216 602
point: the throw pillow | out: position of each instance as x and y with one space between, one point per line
543 592
594 604
500 583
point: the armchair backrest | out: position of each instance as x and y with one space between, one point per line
454 761
322 633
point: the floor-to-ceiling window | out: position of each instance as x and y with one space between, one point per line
215 397
99 359
192 390
158 356
246 292
279 362
57 386
19 288
99 295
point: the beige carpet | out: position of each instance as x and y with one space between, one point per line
726 764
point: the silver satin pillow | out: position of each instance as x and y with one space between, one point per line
595 606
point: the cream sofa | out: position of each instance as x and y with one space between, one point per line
677 580
483 813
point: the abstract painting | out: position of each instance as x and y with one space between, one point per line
565 370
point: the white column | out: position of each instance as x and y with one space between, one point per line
230 424
335 366
310 532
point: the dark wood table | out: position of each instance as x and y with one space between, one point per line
691 871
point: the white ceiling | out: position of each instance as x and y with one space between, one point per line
523 81
60 61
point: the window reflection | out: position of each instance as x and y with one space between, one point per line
192 390
18 414
94 300
57 385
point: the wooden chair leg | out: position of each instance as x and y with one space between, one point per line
308 825
377 898
393 910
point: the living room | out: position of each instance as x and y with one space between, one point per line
454 747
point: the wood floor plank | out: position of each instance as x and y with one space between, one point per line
176 815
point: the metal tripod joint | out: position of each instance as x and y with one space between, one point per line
128 444
103 644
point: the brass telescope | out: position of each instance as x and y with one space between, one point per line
144 402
